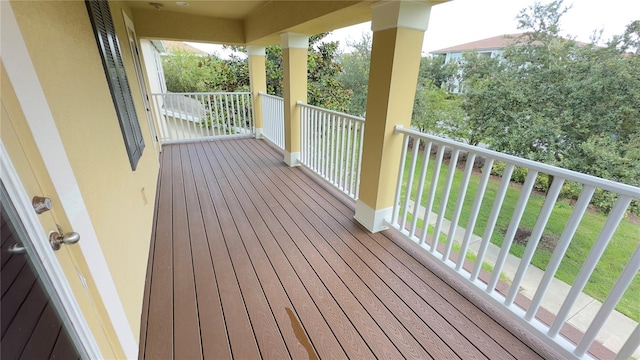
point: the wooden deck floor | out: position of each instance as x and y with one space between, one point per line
253 259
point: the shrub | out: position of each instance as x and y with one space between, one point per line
519 174
570 190
635 207
603 200
498 168
542 182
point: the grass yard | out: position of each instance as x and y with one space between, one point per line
616 256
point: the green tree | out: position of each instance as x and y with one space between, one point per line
188 72
324 89
561 102
477 75
323 69
439 73
355 74
550 94
437 112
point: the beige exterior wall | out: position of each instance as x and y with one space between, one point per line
120 202
25 156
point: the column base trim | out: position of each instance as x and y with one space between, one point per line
291 159
373 220
258 133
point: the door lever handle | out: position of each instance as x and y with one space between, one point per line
16 248
57 240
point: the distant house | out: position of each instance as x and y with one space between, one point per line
489 47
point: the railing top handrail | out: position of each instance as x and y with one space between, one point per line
270 96
591 180
338 113
202 93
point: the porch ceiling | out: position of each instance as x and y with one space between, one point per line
245 22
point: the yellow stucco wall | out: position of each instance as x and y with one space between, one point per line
120 201
25 157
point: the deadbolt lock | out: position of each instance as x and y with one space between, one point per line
41 204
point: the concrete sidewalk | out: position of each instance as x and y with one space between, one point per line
613 334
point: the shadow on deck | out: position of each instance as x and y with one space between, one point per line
250 258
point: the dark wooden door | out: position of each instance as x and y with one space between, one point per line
31 327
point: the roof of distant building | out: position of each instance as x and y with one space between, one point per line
173 46
492 43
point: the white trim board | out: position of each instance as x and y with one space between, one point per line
24 79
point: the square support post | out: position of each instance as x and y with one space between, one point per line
294 55
398 32
258 83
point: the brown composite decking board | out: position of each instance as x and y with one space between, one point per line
210 315
378 342
187 343
366 296
375 337
243 342
373 273
383 249
250 258
43 339
272 295
157 334
266 331
483 342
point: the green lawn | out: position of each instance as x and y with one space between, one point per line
616 256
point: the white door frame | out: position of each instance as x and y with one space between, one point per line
35 241
39 118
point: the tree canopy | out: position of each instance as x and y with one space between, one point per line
188 72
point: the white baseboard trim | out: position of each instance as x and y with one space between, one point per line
292 159
373 220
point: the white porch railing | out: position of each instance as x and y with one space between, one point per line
273 119
416 192
198 116
331 146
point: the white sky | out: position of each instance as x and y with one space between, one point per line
462 21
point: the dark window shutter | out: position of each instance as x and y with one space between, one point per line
109 47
